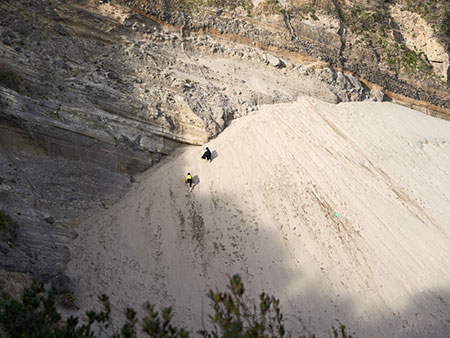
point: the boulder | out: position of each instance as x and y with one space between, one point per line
377 95
274 61
63 284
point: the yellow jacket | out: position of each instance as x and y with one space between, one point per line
187 178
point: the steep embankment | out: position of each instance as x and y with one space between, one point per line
339 210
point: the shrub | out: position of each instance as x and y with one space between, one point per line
234 318
36 315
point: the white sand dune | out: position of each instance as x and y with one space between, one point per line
341 211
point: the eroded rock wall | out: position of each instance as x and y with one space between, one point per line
323 38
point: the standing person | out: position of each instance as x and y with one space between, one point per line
207 155
188 181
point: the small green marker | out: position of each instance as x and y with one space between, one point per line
336 214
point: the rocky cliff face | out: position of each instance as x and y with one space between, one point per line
93 92
374 41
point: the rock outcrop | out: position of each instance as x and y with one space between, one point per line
331 44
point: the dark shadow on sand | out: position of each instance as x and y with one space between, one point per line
195 181
214 155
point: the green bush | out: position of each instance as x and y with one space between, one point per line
234 318
36 315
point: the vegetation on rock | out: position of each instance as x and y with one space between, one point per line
193 5
5 222
435 12
375 28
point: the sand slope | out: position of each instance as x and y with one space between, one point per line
341 211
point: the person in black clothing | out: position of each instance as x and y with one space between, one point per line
207 155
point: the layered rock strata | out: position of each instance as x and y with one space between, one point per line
333 45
